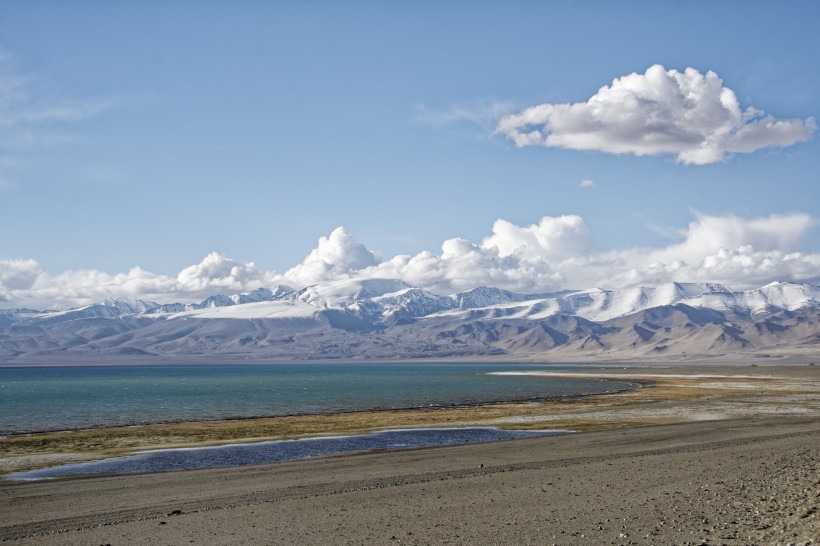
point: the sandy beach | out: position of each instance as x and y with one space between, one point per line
714 455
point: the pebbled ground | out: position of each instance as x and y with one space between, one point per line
753 480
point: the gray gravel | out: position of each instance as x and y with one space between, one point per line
746 481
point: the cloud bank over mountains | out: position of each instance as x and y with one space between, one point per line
689 115
554 254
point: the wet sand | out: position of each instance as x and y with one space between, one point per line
735 462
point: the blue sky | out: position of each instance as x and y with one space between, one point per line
152 134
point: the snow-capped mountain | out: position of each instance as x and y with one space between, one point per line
347 293
388 318
607 304
767 300
261 294
594 304
108 308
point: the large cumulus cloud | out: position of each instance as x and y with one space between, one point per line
336 256
554 253
219 272
690 115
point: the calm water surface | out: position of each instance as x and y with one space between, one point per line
68 397
168 460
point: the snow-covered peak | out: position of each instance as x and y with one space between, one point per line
280 290
598 304
485 296
17 311
680 290
112 307
773 297
257 310
791 296
380 302
344 293
221 300
218 300
411 302
261 294
130 306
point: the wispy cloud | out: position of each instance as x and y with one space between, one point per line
29 119
587 183
689 115
58 111
482 113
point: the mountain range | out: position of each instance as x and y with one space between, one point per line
384 319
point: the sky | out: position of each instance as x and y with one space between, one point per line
173 150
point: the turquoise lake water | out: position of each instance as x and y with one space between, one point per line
69 397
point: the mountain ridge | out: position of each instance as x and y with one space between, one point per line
389 318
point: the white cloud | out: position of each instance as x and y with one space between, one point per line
687 114
554 254
557 254
552 238
23 283
336 256
587 183
16 274
85 286
707 235
218 272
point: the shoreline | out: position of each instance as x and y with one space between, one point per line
42 449
429 407
748 480
732 457
670 394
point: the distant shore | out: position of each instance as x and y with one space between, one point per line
631 359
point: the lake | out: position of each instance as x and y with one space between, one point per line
69 397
